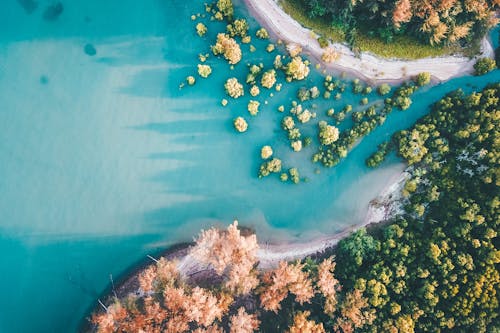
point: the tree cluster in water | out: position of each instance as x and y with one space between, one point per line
334 144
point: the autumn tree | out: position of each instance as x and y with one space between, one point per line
231 255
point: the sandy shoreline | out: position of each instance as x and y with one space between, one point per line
367 66
380 209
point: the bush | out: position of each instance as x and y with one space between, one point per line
323 42
228 47
327 134
191 80
234 88
314 92
296 145
268 79
253 107
297 69
305 116
225 7
294 175
204 70
262 33
240 124
266 152
422 79
254 91
238 28
268 167
287 123
201 29
483 66
384 89
379 156
303 94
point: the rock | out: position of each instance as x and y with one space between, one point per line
29 6
90 50
44 79
52 12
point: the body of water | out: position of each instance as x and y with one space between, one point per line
103 159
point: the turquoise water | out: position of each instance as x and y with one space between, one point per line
104 160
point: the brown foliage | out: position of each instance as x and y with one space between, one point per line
354 312
242 322
328 285
147 278
302 325
170 302
230 254
284 279
402 12
107 322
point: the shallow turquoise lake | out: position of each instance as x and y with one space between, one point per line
103 159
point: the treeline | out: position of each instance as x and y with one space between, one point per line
435 269
442 22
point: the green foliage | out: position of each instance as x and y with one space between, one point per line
201 29
303 94
262 33
379 156
401 97
323 42
449 23
384 89
225 7
328 134
338 21
294 175
364 123
238 27
354 250
484 65
434 268
422 79
268 167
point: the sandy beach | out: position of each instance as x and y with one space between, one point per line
380 209
366 66
385 205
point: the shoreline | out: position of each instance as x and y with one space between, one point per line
380 209
269 255
367 66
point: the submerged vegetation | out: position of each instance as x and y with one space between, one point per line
336 134
342 129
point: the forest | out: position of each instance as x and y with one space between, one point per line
446 22
432 268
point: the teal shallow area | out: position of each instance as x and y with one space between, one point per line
104 160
